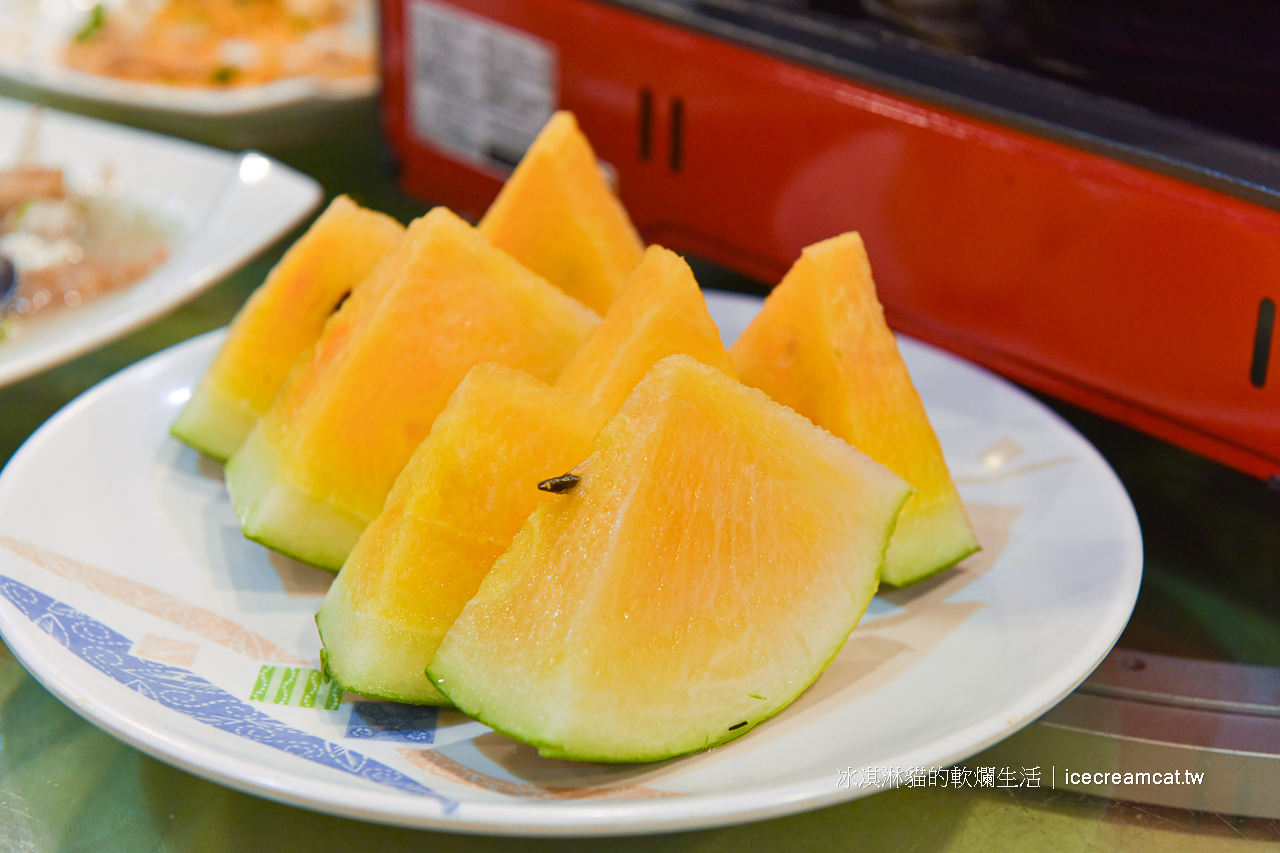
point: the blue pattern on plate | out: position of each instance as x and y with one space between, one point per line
393 721
187 693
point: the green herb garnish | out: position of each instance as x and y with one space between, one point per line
224 74
93 24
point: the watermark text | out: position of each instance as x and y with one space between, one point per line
1001 777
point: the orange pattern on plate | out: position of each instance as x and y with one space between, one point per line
175 611
447 768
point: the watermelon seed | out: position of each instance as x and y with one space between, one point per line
341 300
559 485
737 725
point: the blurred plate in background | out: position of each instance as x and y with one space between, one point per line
223 210
35 33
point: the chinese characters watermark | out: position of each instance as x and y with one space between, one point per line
940 777
998 777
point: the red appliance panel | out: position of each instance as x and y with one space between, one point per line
1117 288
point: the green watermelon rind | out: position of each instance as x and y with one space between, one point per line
357 684
355 690
280 515
940 539
212 423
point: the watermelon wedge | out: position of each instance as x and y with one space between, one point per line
821 346
711 560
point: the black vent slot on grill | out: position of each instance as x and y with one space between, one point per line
677 134
646 124
1262 343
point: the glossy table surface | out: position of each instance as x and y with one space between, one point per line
67 786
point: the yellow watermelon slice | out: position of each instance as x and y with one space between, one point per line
659 312
712 559
318 466
453 510
557 216
282 319
821 346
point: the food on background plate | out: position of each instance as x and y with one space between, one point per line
69 241
454 509
821 346
318 466
24 184
282 319
713 557
225 43
558 216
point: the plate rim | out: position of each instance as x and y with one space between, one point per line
210 103
591 819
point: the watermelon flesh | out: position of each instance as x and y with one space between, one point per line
712 559
318 466
558 216
469 487
659 312
453 510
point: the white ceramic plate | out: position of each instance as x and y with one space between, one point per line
127 590
33 33
224 208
